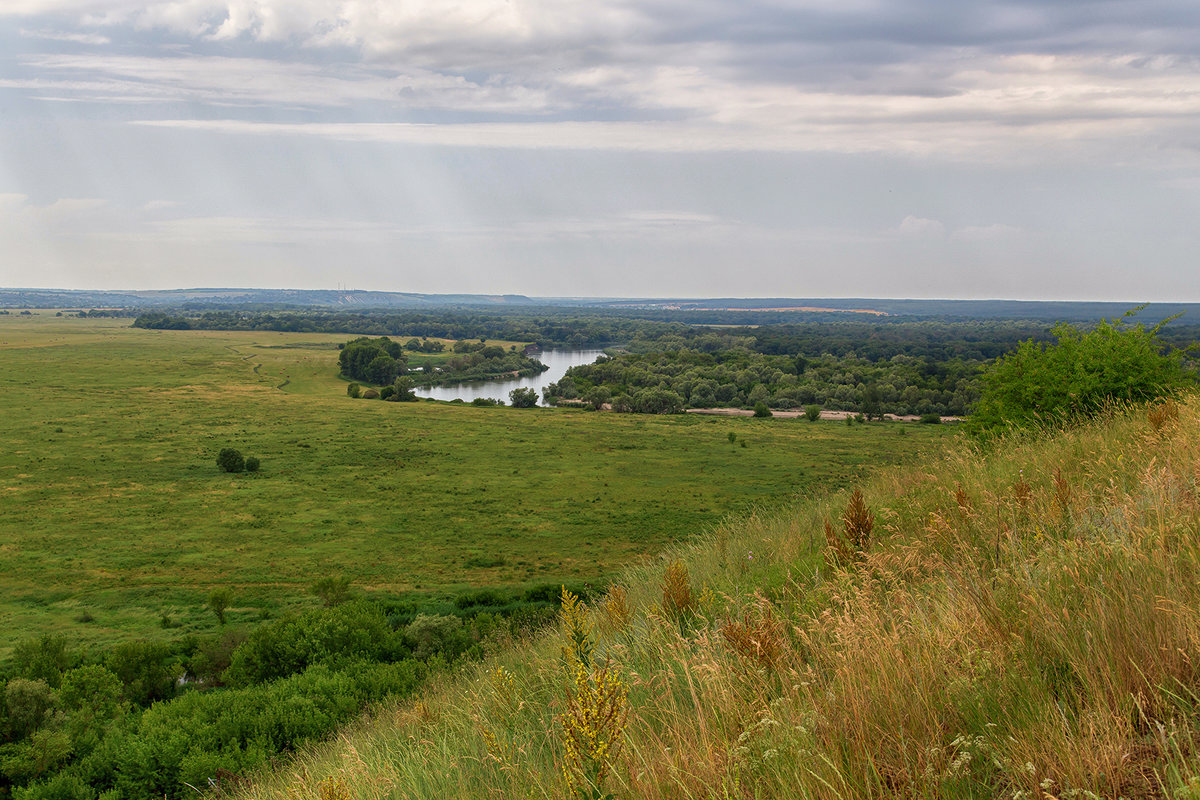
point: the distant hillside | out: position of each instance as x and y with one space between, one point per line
728 310
1048 310
200 298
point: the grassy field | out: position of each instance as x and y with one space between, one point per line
114 513
1024 624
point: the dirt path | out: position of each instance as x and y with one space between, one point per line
793 413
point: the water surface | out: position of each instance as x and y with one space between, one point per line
558 361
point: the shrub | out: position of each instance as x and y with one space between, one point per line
387 392
523 397
333 590
252 464
931 419
761 410
812 413
656 401
231 460
219 600
1077 376
338 634
486 402
354 390
146 669
369 394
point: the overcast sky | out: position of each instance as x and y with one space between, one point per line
803 148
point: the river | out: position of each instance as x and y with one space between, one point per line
558 361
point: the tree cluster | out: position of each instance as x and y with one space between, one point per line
673 380
150 719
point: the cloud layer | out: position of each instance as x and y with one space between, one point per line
944 137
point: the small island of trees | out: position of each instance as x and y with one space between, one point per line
383 362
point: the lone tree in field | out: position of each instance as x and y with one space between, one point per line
231 460
1077 376
219 600
333 590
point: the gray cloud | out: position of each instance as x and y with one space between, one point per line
992 145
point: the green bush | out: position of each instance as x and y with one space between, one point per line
812 413
252 464
931 419
332 589
231 460
1076 376
218 601
523 397
350 631
761 410
353 390
146 669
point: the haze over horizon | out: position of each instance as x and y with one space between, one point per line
917 148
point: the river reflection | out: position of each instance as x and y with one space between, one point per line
558 361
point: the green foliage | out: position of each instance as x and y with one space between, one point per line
597 397
658 401
523 397
435 633
332 589
1076 376
353 390
486 402
931 419
27 704
378 361
734 374
252 463
231 460
219 600
812 412
276 649
147 669
44 659
761 410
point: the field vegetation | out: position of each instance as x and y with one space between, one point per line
112 494
1011 621
171 620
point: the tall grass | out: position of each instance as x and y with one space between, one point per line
1024 624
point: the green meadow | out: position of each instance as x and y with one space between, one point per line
113 513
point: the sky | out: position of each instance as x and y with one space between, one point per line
1026 149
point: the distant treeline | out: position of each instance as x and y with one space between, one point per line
158 719
554 329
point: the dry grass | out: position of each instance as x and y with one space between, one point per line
1022 625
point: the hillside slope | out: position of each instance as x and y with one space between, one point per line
1021 625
